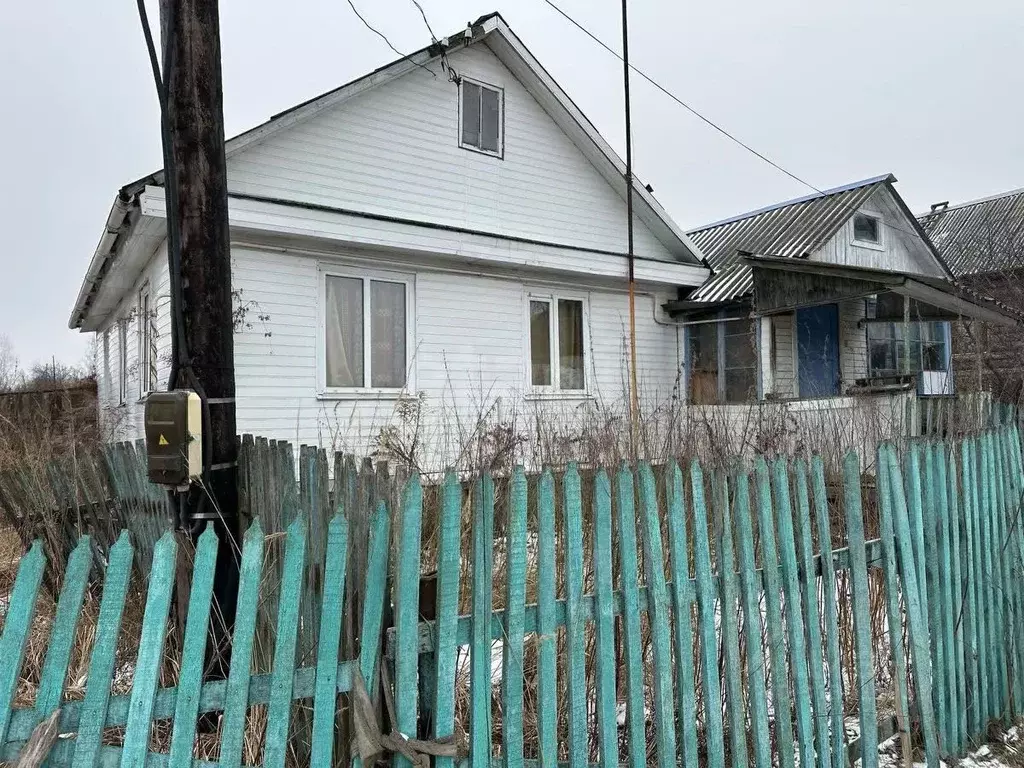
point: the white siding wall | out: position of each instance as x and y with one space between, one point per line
471 353
902 251
853 342
123 421
784 375
394 150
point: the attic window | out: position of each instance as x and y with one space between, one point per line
867 229
481 118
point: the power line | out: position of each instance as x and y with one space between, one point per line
708 121
382 36
423 13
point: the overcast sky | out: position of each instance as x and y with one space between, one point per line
833 91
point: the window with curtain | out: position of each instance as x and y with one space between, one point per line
557 353
365 334
887 348
723 362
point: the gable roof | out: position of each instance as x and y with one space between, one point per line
980 236
494 32
792 229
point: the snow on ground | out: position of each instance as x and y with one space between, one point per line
1007 751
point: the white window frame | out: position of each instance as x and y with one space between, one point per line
500 153
146 332
122 361
554 389
366 276
880 245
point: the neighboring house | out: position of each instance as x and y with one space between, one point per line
983 243
437 245
831 295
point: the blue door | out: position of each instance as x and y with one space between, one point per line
817 339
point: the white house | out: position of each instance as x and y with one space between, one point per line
437 245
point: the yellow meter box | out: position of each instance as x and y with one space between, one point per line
174 437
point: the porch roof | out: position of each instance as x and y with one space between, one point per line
784 284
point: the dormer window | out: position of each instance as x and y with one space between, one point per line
481 118
867 230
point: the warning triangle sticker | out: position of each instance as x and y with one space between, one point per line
163 441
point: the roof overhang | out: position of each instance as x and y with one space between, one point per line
784 284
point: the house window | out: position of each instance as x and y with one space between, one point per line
122 362
366 327
867 230
723 362
887 348
480 108
147 343
557 347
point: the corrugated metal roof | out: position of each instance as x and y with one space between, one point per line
794 229
984 235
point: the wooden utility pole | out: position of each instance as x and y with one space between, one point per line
194 104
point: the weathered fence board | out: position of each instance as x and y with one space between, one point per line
642 681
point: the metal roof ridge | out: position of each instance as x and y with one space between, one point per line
888 177
970 203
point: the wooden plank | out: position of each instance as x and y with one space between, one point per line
62 635
730 626
1005 586
828 585
604 626
406 611
658 618
101 662
547 684
913 478
193 652
794 615
956 591
971 616
1014 558
575 640
683 597
929 519
894 615
21 609
286 644
945 553
752 625
236 698
480 650
809 596
325 703
861 611
515 611
989 581
708 634
150 656
630 626
773 617
445 647
916 613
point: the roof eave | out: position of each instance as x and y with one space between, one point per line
116 226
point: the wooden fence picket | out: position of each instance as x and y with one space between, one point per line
449 568
515 627
480 650
17 625
956 590
575 639
630 626
683 598
706 602
547 684
604 625
773 617
407 605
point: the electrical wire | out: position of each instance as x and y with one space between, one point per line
706 120
383 37
446 67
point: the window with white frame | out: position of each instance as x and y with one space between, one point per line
867 230
723 362
481 119
146 342
122 361
366 327
557 348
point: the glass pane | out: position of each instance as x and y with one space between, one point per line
470 114
865 229
387 334
570 344
740 385
489 118
933 351
881 358
739 345
704 347
344 332
540 343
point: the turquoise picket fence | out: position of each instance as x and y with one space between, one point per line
676 615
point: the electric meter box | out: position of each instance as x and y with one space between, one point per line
174 437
